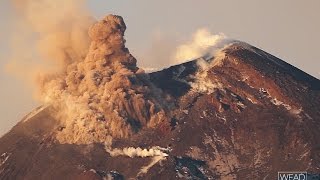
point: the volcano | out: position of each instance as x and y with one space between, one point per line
239 114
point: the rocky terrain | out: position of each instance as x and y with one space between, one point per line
240 114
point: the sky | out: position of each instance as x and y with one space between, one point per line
288 29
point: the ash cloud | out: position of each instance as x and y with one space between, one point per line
95 86
106 95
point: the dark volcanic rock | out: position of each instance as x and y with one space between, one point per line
246 116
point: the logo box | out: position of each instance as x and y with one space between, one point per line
292 176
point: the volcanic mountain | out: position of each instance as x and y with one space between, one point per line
239 114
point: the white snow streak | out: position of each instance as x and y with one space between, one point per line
34 112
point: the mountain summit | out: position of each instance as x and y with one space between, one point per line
239 114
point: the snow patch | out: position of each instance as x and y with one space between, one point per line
154 161
34 112
296 111
305 154
176 74
205 114
185 112
264 93
277 102
308 116
245 77
221 117
92 170
150 69
3 158
240 104
289 108
252 101
181 68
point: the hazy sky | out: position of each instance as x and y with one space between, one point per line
288 29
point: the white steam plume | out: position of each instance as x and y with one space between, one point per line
203 44
167 50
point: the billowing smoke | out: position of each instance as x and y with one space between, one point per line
95 86
202 44
105 94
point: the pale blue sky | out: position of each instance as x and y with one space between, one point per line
288 29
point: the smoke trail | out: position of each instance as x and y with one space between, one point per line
138 152
157 153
